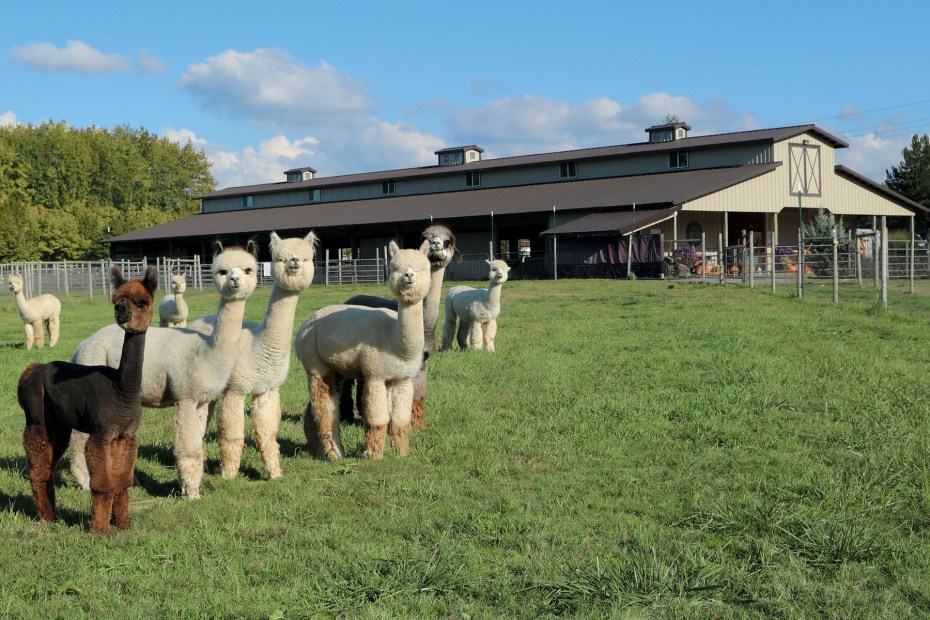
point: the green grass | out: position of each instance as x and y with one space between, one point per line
632 450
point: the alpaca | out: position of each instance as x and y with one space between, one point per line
476 311
183 368
383 347
263 360
59 397
36 311
172 311
441 250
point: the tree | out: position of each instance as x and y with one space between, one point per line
911 178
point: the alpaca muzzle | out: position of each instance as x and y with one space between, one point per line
121 312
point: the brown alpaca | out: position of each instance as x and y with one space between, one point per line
59 397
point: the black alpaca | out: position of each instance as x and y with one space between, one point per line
104 402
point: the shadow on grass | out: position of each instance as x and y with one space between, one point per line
155 487
25 504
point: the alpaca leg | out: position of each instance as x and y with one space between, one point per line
474 335
400 401
324 398
490 331
39 330
190 426
78 459
30 335
39 461
102 482
54 327
376 418
266 420
360 402
463 333
448 331
418 410
230 427
125 452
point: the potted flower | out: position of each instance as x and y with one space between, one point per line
785 254
686 258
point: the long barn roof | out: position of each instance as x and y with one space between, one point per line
649 191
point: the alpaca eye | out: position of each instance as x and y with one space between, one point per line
222 272
248 270
142 304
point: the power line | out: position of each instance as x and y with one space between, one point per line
860 112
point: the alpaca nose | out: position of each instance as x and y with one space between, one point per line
236 279
410 276
121 311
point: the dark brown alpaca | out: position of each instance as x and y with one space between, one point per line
104 402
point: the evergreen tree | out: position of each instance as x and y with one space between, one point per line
911 178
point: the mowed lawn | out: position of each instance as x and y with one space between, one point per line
632 450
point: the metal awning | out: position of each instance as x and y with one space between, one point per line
620 222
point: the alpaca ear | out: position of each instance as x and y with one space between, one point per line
312 239
251 247
217 247
150 281
116 277
393 248
274 239
424 247
490 264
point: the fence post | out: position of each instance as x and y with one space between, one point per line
555 257
703 255
721 259
884 262
66 278
752 259
771 242
910 263
836 267
326 269
800 264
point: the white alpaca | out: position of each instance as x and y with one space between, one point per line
42 309
441 250
183 368
477 311
172 311
381 346
263 359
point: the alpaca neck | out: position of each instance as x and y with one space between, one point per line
225 342
130 366
278 326
494 295
408 330
21 301
179 303
431 309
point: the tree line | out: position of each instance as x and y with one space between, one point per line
64 190
911 178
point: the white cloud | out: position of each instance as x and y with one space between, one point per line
871 155
76 56
8 118
150 64
273 90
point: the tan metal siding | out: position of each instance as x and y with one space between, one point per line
852 199
759 195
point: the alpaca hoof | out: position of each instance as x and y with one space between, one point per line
100 529
122 525
190 492
230 471
274 475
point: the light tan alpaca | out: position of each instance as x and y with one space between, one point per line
477 311
183 368
172 311
41 309
263 360
383 347
441 251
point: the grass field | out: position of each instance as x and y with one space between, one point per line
633 450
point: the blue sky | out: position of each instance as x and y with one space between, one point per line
360 86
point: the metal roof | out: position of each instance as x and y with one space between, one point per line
656 190
696 142
622 222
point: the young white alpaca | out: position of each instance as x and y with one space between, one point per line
383 347
476 311
172 311
441 251
183 368
263 359
41 309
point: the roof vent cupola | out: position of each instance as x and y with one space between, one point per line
455 155
295 175
668 132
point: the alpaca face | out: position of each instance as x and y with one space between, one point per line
235 273
410 274
16 284
441 245
133 304
498 273
292 261
178 283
